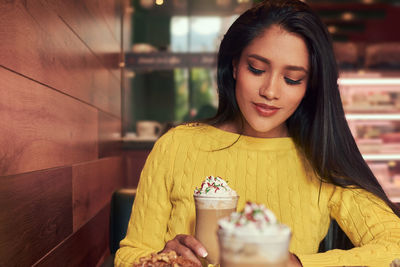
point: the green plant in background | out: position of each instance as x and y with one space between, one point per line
203 91
195 96
181 94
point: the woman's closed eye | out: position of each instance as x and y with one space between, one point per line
292 82
255 71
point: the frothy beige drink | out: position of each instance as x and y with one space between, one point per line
253 237
214 200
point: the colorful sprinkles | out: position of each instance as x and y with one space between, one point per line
256 214
212 184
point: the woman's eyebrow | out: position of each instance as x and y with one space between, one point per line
288 67
260 58
296 68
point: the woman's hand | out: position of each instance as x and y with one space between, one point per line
294 261
186 246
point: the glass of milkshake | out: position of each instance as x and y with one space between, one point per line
253 237
214 200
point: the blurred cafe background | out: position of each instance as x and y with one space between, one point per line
88 86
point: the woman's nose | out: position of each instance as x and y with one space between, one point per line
270 89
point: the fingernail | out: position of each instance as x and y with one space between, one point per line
203 252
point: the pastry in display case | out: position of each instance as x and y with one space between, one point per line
371 102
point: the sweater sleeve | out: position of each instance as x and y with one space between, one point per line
152 207
370 225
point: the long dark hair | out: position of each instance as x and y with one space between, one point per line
318 126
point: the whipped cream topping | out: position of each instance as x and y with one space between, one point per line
255 219
214 187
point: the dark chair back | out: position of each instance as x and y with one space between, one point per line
121 208
335 239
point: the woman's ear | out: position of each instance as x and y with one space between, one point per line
234 67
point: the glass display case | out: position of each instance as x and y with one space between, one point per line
372 105
171 69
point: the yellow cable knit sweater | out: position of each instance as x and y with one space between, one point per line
268 171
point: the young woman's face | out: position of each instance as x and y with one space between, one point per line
271 80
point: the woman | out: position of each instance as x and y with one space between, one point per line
280 137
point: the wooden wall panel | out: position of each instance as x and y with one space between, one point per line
35 214
109 135
135 161
42 128
126 25
60 111
85 247
87 20
112 12
38 44
93 184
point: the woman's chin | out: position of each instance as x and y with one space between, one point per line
265 132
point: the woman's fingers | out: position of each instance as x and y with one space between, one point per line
186 246
188 254
192 243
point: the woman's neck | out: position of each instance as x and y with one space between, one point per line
239 126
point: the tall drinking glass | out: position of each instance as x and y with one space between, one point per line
209 209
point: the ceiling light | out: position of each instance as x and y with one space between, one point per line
129 10
223 3
332 29
146 3
347 16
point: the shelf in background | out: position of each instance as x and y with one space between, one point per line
393 192
168 60
395 199
373 116
378 150
382 157
369 81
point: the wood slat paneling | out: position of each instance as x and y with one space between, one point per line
135 161
105 258
42 128
93 184
85 247
126 31
109 135
112 12
35 214
87 20
37 43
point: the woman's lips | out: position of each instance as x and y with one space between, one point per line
265 110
